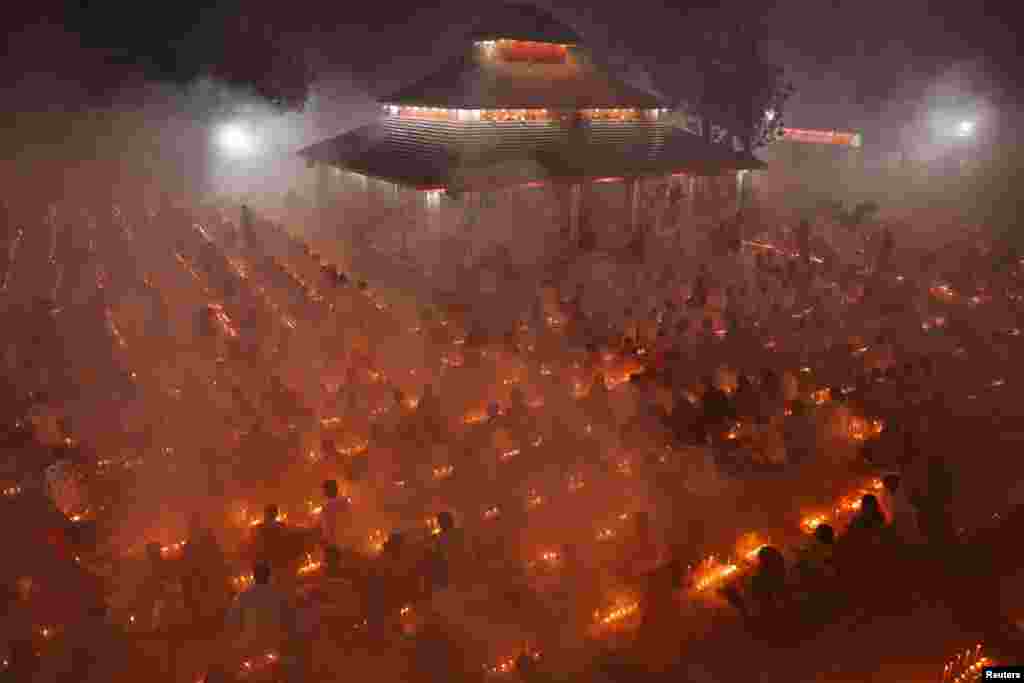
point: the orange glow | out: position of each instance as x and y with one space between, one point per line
614 615
443 472
309 566
173 548
376 541
714 573
810 523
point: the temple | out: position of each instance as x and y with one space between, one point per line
527 106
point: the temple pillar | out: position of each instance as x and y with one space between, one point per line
633 202
569 199
322 196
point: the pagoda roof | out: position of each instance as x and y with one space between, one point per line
480 155
523 22
468 83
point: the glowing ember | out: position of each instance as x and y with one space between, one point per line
281 518
821 396
861 429
616 614
355 449
376 540
508 664
811 523
550 557
309 566
258 663
712 572
241 582
173 548
752 554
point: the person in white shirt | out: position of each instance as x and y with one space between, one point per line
334 516
260 622
900 513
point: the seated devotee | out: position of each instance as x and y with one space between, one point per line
815 558
869 522
746 398
898 510
93 650
205 576
641 552
273 543
716 410
156 594
761 594
430 421
450 552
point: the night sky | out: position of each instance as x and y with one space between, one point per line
855 65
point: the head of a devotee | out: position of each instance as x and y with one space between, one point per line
445 520
153 552
270 514
824 533
261 573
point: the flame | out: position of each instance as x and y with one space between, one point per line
712 572
173 548
821 396
861 429
376 540
267 659
355 449
309 566
242 582
550 557
509 454
534 499
492 512
281 518
443 472
622 610
576 483
810 523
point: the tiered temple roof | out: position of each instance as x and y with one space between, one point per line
559 116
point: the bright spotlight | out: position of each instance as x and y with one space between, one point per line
235 140
965 129
769 115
